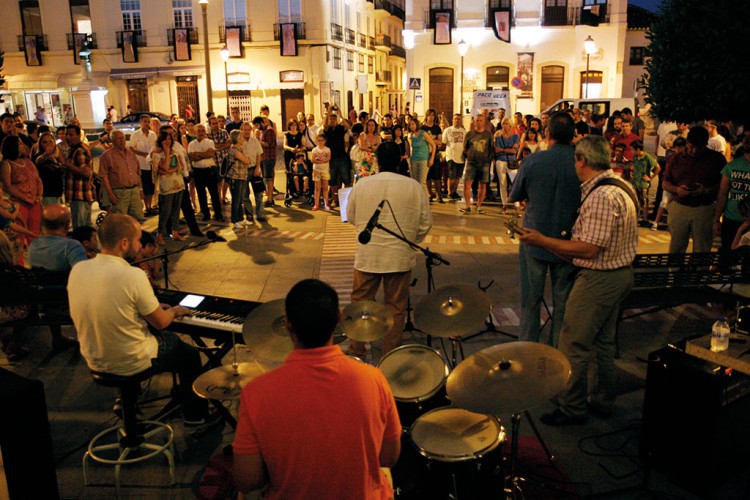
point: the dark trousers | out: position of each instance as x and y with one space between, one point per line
206 179
188 212
176 356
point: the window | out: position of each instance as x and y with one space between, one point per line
183 13
498 77
31 18
347 16
350 60
594 84
80 16
337 58
437 5
370 64
335 15
489 19
290 10
235 12
555 12
131 15
361 63
636 55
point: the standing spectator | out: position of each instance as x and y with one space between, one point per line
79 186
201 153
114 116
189 112
341 171
582 128
368 144
142 141
403 146
614 125
238 181
265 112
423 151
549 185
716 141
454 154
432 128
479 152
637 125
312 126
254 152
235 121
321 158
22 182
119 171
220 138
506 149
644 168
268 141
386 128
693 179
40 116
735 188
292 141
50 164
626 137
169 167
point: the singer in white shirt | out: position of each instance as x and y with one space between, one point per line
385 258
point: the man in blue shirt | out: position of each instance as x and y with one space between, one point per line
548 182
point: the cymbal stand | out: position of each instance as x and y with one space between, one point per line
409 325
514 490
490 326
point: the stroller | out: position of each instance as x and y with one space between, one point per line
298 184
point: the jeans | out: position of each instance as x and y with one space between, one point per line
418 170
241 205
169 212
533 276
205 179
178 357
80 212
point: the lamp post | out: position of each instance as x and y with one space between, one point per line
589 46
225 57
206 55
462 48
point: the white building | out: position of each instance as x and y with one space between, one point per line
348 51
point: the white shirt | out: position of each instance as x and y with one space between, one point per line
717 143
252 148
664 129
411 208
179 150
453 137
198 146
143 143
114 115
108 300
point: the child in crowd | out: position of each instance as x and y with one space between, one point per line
678 146
298 170
644 167
88 237
152 268
321 157
620 165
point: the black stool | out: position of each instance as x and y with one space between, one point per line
142 440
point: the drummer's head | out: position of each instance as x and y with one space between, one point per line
389 156
312 313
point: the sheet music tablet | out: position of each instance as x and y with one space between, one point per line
192 301
343 202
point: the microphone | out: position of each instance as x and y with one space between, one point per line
366 234
213 236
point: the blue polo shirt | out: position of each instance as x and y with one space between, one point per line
547 180
55 253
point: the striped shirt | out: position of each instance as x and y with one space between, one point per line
608 219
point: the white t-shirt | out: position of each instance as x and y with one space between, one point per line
664 129
717 143
453 137
252 148
108 300
143 143
319 153
197 146
384 253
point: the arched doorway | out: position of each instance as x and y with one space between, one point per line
553 84
441 90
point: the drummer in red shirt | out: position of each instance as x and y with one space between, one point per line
322 424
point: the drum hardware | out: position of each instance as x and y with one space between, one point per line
409 325
265 331
489 323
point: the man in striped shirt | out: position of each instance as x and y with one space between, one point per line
602 248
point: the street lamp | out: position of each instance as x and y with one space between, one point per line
225 57
463 47
206 55
589 46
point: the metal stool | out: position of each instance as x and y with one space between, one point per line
130 437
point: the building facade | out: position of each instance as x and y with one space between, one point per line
291 55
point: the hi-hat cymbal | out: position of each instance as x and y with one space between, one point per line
366 321
265 333
508 378
452 311
224 383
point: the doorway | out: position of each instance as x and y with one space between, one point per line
187 93
292 102
441 90
138 95
241 99
553 83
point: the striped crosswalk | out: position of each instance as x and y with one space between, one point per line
337 257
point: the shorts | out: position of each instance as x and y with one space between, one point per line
341 172
479 172
455 170
269 169
147 182
321 176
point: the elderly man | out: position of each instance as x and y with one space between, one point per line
201 153
142 141
120 173
602 248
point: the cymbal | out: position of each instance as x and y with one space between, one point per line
265 333
366 321
452 311
223 383
508 378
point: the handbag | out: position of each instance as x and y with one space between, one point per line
257 183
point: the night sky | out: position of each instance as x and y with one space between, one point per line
651 5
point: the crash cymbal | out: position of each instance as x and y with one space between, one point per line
452 311
508 378
366 321
265 333
224 383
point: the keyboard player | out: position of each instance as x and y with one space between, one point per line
111 303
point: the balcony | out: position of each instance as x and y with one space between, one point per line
382 41
244 27
71 42
337 32
350 37
573 16
398 51
391 8
363 40
140 38
41 42
383 78
301 35
192 35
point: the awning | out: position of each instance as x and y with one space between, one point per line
164 71
32 81
181 71
68 80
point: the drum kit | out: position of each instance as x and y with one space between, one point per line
450 417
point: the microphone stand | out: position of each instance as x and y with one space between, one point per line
164 256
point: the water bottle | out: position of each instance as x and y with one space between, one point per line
720 335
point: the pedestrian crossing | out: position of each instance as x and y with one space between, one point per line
337 257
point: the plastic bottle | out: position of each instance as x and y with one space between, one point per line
720 335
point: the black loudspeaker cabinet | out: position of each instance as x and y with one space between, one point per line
25 440
696 420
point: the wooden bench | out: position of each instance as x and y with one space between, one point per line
45 291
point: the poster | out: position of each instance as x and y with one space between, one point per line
501 24
443 21
181 40
288 39
526 73
492 100
233 37
129 49
31 50
78 40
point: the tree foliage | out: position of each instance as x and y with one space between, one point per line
698 68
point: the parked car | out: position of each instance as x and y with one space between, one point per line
602 106
132 121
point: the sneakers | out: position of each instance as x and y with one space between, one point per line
480 211
655 226
239 225
455 196
204 423
465 211
441 200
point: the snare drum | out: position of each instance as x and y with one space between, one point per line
416 375
463 452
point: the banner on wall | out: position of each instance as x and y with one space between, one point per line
181 44
492 100
288 39
501 24
526 74
442 20
31 50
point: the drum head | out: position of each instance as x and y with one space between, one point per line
453 435
414 372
